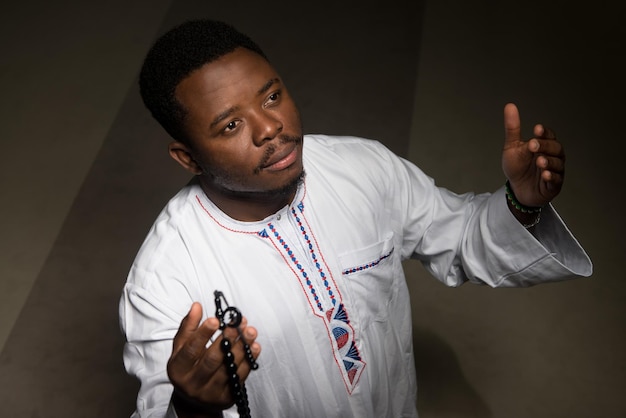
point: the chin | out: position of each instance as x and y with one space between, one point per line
291 187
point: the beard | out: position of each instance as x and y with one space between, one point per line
229 183
281 194
284 192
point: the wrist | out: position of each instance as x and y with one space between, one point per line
513 201
528 220
528 216
187 408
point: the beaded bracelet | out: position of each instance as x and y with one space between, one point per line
533 223
516 204
231 317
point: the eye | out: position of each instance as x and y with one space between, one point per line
231 125
273 98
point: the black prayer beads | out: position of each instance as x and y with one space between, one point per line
231 317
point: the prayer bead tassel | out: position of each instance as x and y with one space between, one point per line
231 317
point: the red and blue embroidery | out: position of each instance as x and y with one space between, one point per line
347 353
368 265
314 274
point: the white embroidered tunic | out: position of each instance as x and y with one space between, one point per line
322 279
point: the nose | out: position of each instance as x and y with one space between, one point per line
266 127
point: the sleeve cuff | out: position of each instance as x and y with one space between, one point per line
550 253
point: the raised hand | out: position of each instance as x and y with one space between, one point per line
534 168
197 372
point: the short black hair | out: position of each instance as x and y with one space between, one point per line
174 56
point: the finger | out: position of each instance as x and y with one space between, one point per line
213 357
245 343
554 164
244 366
549 133
239 340
249 334
512 125
233 333
550 147
193 347
187 326
552 181
211 373
543 132
207 381
209 369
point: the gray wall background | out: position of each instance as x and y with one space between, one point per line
84 172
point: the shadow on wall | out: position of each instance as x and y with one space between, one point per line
442 388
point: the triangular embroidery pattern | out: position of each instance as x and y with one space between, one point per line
313 278
345 349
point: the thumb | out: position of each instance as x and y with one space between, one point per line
188 326
512 125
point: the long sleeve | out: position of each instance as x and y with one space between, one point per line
149 328
361 211
475 237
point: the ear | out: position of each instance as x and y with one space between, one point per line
182 154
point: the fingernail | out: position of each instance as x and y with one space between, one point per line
534 145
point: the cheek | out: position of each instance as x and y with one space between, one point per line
238 160
297 120
295 116
290 114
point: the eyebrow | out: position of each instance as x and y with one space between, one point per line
267 85
223 116
226 113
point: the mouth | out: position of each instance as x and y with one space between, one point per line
282 160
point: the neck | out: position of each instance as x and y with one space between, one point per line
250 206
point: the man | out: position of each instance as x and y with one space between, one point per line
307 234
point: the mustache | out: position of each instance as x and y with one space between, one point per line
271 149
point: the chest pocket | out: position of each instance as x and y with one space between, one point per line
368 273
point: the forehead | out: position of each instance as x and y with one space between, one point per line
225 82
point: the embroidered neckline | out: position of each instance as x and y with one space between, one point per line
317 301
326 305
233 225
329 308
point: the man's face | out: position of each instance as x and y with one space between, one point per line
243 127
